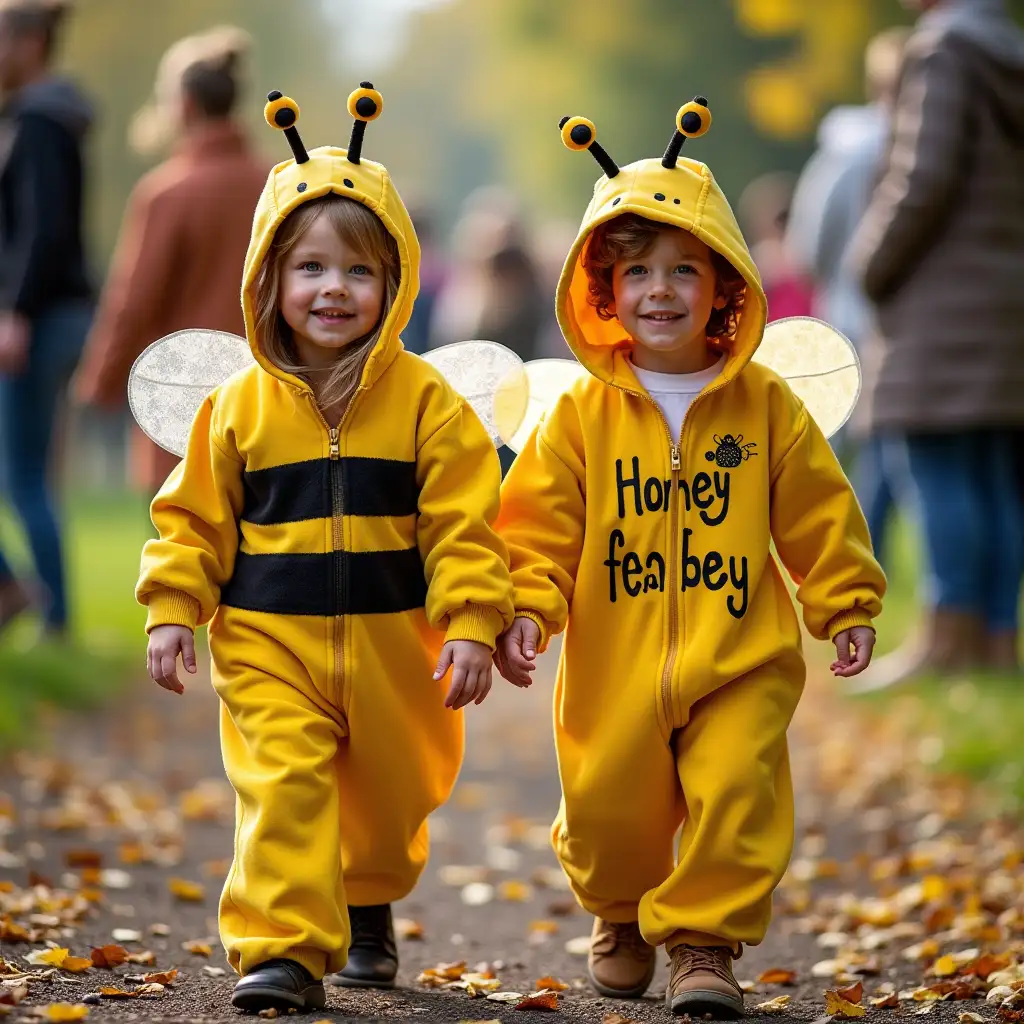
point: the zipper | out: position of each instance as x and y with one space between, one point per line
338 544
675 609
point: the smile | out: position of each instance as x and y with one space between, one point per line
331 314
661 317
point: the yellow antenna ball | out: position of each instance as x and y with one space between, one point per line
578 133
693 119
365 104
281 112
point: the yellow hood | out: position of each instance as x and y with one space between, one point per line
684 195
329 169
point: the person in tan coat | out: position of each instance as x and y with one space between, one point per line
178 262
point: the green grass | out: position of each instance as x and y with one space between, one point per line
104 536
972 725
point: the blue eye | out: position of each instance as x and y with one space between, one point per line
636 271
311 266
360 270
686 268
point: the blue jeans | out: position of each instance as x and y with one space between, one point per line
876 490
973 520
29 403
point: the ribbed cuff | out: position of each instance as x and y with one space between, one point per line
541 624
847 620
477 622
172 608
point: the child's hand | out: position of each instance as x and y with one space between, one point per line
863 640
517 651
470 663
165 643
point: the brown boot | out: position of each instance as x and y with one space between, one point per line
620 964
701 982
14 599
1001 651
949 642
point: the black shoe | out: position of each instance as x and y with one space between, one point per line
281 985
372 954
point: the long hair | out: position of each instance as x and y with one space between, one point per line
359 229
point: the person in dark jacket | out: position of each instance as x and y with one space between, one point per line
45 294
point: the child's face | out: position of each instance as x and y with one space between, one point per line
330 294
664 300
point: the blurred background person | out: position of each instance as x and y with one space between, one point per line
416 336
763 211
45 294
941 250
179 257
831 195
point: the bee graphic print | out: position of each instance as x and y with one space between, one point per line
730 451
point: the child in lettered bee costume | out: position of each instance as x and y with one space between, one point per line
638 519
331 521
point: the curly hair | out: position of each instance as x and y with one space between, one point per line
630 237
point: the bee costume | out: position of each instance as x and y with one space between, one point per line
331 564
681 664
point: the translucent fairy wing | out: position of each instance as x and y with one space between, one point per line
819 364
547 380
170 380
491 378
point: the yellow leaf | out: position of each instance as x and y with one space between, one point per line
147 958
66 1011
47 957
553 984
408 929
776 1005
76 964
837 1006
197 948
187 892
514 892
160 978
944 967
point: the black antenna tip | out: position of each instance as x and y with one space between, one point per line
702 100
561 124
275 95
369 85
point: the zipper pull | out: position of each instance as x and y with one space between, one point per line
677 463
335 444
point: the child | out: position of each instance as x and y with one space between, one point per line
638 519
332 513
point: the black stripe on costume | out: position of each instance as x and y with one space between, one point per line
378 583
301 490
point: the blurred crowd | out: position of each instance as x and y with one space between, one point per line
905 230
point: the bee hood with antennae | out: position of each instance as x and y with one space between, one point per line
674 190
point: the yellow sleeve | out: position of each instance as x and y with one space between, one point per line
819 529
469 593
543 516
196 515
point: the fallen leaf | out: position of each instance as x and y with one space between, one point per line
505 997
146 958
187 892
109 992
76 964
616 1018
973 1018
515 892
944 967
776 1005
214 972
777 976
197 947
1012 1016
987 964
130 853
926 1008
126 935
49 957
998 994
927 995
552 984
460 876
13 994
827 968
854 994
837 1006
476 894
153 988
408 929
66 1011
926 950
159 929
542 927
270 1013
113 878
887 1002
539 1001
160 977
579 946
108 956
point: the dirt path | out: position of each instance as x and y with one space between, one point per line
131 803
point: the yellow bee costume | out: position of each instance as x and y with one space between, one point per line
681 664
330 564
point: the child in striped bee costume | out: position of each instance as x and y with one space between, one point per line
331 522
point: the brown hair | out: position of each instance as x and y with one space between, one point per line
36 17
364 232
629 237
